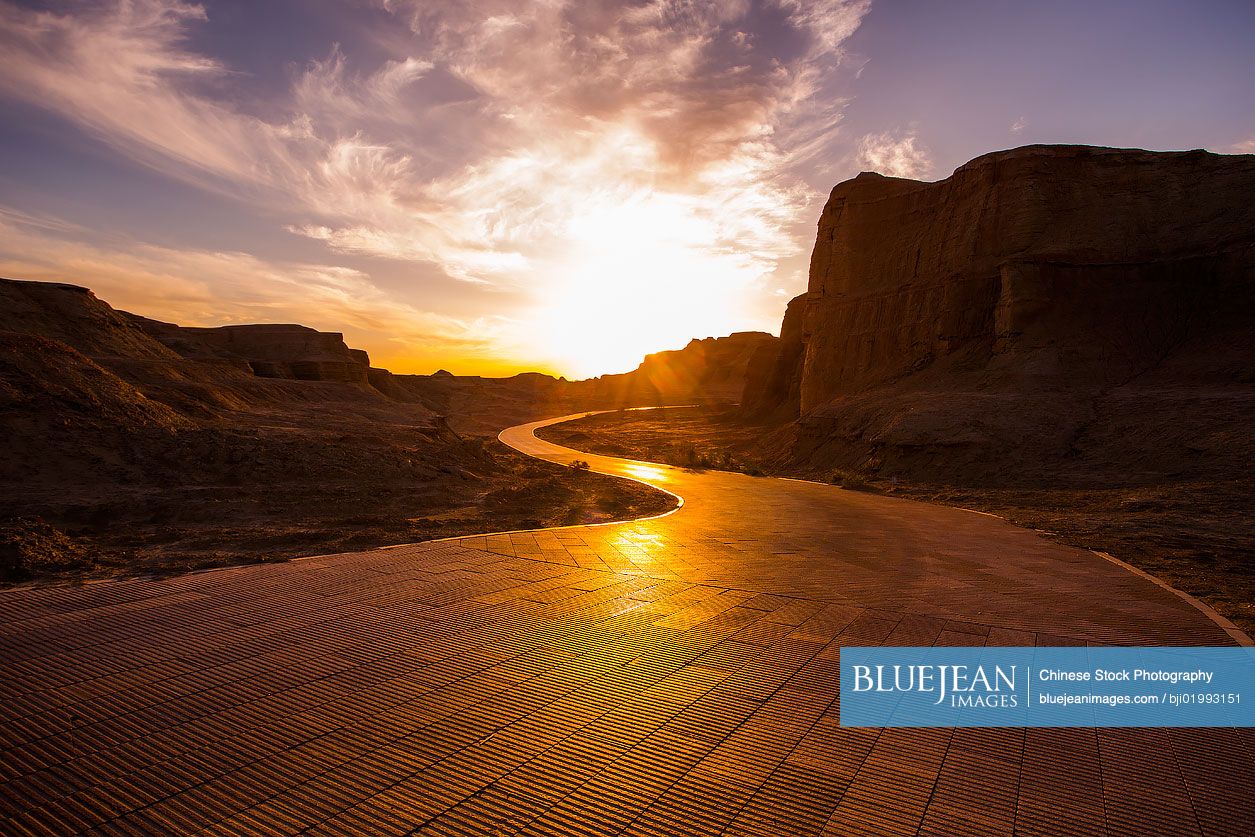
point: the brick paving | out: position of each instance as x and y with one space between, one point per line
669 676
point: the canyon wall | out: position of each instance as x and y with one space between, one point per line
1041 304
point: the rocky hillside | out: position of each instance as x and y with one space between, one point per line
1049 312
205 371
201 371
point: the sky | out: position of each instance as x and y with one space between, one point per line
492 187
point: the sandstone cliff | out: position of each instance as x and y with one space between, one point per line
74 316
1042 307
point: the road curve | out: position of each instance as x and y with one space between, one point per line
670 676
820 542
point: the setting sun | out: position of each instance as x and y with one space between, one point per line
639 277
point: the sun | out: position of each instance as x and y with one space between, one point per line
639 276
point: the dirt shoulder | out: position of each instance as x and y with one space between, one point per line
1196 535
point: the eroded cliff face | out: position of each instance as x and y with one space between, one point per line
199 371
1041 304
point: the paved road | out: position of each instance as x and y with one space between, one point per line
670 676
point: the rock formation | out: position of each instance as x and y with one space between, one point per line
76 342
1041 304
290 351
710 369
773 376
707 370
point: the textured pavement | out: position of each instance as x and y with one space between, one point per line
668 676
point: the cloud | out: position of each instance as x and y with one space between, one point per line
1019 125
684 81
894 153
479 131
692 78
328 91
1244 147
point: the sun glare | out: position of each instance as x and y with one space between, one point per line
640 276
649 473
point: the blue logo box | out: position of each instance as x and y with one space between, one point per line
1047 687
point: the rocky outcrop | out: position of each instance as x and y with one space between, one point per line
293 352
710 370
76 317
285 351
716 366
1018 312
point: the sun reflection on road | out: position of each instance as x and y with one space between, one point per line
642 545
649 473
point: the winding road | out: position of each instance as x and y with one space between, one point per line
674 675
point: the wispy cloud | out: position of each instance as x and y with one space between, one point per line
899 154
121 71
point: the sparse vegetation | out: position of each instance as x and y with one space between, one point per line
850 480
288 500
30 547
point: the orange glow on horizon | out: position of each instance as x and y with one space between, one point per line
465 365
